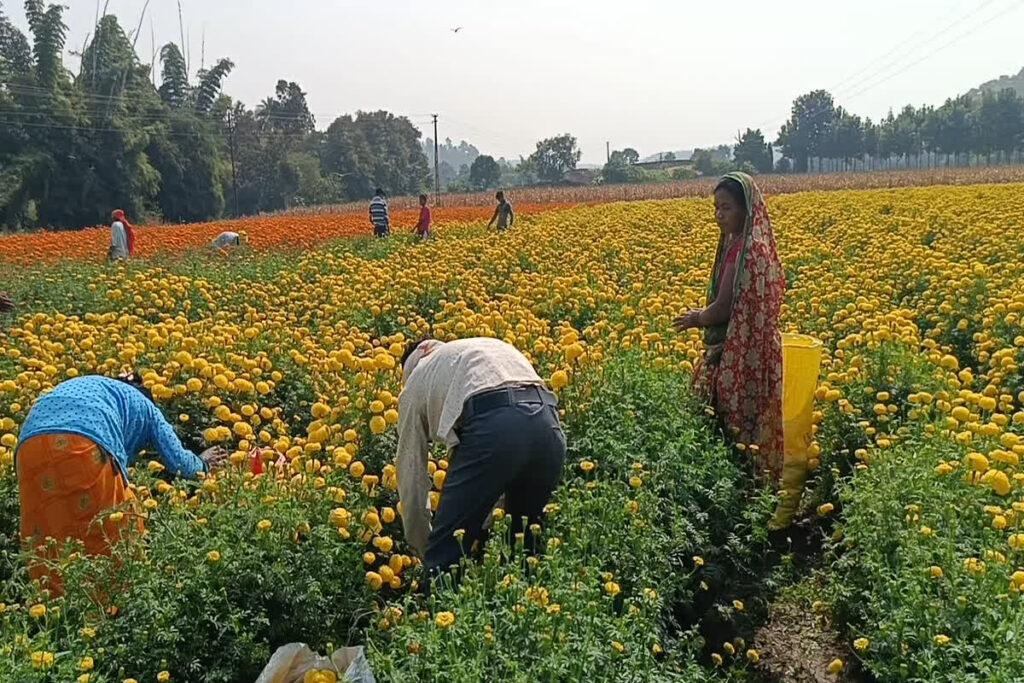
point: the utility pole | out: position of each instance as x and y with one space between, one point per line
437 169
608 151
231 145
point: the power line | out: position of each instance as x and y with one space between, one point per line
870 86
954 40
906 45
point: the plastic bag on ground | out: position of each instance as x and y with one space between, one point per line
801 363
293 662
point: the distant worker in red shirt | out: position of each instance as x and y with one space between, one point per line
423 226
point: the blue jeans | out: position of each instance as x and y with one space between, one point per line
517 450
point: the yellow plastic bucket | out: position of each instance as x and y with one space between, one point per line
801 363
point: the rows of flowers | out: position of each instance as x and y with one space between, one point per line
917 294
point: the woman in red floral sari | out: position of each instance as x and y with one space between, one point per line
741 371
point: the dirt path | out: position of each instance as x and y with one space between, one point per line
797 646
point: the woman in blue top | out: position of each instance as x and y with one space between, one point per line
73 455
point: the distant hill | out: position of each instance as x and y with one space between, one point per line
681 154
1015 82
455 156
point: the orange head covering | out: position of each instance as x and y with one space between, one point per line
129 230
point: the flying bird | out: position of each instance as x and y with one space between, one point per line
456 29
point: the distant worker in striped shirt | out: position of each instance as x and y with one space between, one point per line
379 214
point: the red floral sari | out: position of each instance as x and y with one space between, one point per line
742 368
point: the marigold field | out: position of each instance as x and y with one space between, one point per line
659 565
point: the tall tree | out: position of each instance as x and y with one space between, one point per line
484 172
554 157
808 129
375 149
174 87
46 22
847 136
209 84
751 149
286 113
956 120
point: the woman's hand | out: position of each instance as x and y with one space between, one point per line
213 456
687 321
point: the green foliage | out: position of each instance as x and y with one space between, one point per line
707 164
752 149
375 149
624 560
266 589
984 123
884 588
484 173
554 156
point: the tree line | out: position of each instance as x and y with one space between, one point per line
985 126
74 146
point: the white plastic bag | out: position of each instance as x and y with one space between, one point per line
292 662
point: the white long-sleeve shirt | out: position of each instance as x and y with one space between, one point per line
430 406
118 240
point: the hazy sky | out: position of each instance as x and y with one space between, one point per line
651 74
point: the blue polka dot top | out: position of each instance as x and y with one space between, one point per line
114 415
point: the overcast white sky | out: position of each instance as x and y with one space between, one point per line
652 74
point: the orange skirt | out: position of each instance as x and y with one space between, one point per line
65 482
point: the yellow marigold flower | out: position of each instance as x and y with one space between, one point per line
738 604
42 659
611 588
716 658
213 557
974 565
587 465
37 611
86 663
1000 483
618 647
444 619
861 644
163 676
378 425
825 508
753 656
835 666
264 525
941 639
977 462
559 379
320 676
374 580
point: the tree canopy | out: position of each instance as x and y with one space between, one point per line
169 144
484 172
554 157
